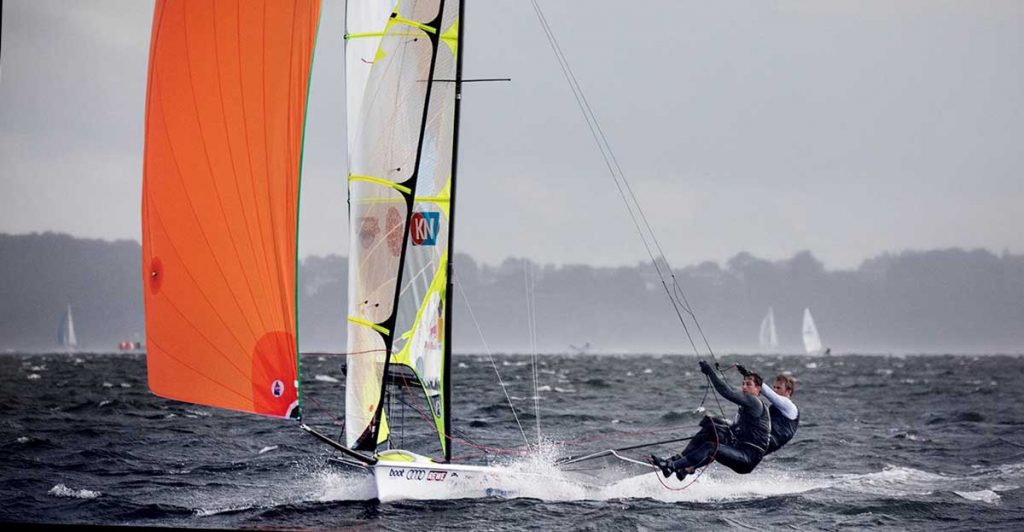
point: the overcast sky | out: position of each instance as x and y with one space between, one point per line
844 128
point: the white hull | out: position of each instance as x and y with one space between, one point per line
402 475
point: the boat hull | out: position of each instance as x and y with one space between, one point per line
402 475
427 481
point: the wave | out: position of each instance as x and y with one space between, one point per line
60 490
988 496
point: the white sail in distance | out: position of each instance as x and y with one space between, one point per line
66 331
812 341
768 339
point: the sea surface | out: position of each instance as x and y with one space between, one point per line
885 442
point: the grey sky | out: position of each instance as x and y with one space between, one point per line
845 128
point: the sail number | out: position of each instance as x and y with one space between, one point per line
419 474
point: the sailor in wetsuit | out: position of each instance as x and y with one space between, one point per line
784 413
739 445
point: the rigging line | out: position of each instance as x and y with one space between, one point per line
490 357
531 317
714 393
693 314
457 435
611 160
608 155
635 202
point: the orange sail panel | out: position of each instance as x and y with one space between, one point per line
225 112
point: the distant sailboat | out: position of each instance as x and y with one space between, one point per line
768 339
812 340
66 331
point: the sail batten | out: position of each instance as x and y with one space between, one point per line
225 114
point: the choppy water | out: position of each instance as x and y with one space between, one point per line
904 443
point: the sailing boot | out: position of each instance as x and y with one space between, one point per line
664 464
681 468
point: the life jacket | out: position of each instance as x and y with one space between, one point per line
752 430
783 429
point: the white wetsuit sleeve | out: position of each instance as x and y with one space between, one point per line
784 405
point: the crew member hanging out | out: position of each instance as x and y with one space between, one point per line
740 445
784 413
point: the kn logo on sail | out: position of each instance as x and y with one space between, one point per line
423 228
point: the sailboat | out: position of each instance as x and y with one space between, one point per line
66 331
812 340
768 340
225 112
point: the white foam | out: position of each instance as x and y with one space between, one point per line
34 377
717 484
207 512
1012 469
345 486
556 485
60 490
267 449
23 439
325 378
987 496
895 481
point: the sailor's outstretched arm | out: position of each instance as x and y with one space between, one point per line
733 395
784 404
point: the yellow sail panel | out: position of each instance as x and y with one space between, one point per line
225 110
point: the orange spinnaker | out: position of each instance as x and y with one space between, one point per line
225 112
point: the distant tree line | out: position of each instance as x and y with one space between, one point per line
917 301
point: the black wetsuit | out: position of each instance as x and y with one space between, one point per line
740 446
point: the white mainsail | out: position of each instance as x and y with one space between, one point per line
812 341
401 156
66 331
768 339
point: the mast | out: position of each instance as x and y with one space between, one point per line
447 364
